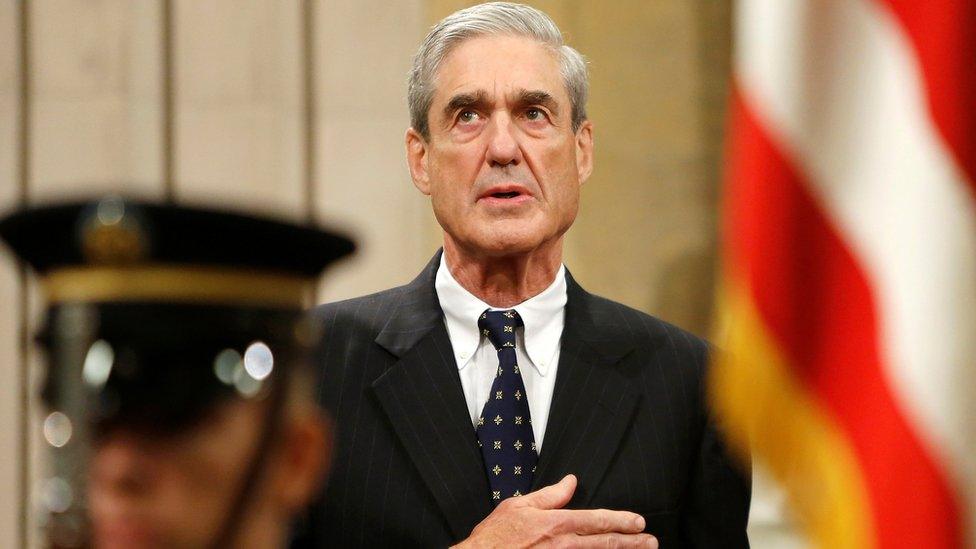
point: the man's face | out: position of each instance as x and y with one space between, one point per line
502 166
147 491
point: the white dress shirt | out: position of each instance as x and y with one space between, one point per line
536 344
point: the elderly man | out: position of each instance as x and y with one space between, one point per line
492 401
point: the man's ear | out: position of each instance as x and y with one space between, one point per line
584 151
417 160
304 458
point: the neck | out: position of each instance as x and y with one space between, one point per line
264 538
264 528
504 281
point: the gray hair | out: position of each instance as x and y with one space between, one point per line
493 18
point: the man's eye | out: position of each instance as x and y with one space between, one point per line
468 116
534 114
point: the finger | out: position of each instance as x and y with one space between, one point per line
598 521
603 541
554 496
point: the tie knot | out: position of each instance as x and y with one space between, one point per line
499 327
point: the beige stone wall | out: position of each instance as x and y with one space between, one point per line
241 132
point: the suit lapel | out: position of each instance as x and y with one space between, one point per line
422 397
592 407
593 403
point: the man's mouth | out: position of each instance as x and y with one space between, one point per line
511 193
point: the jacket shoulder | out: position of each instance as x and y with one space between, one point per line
367 313
646 331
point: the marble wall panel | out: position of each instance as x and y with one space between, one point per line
95 99
238 105
361 182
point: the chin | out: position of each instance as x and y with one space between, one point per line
510 244
125 534
503 238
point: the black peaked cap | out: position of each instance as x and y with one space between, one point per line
50 237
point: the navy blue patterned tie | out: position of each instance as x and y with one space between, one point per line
505 428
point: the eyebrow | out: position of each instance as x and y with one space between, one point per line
537 97
480 98
465 101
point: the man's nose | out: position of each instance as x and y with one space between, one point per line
121 464
503 144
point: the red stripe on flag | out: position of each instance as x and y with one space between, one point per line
943 33
816 302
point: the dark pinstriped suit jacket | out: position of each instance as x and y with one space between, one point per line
627 417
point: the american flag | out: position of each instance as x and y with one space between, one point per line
848 293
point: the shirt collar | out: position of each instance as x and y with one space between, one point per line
543 316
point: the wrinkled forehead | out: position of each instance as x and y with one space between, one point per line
499 66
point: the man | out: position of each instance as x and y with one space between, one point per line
479 403
180 412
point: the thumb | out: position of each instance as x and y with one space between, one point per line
554 496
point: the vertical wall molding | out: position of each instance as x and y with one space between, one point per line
309 106
24 92
715 57
23 182
168 99
714 21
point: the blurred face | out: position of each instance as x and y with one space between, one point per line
502 166
176 491
173 491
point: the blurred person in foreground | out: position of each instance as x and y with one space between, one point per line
492 401
180 408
